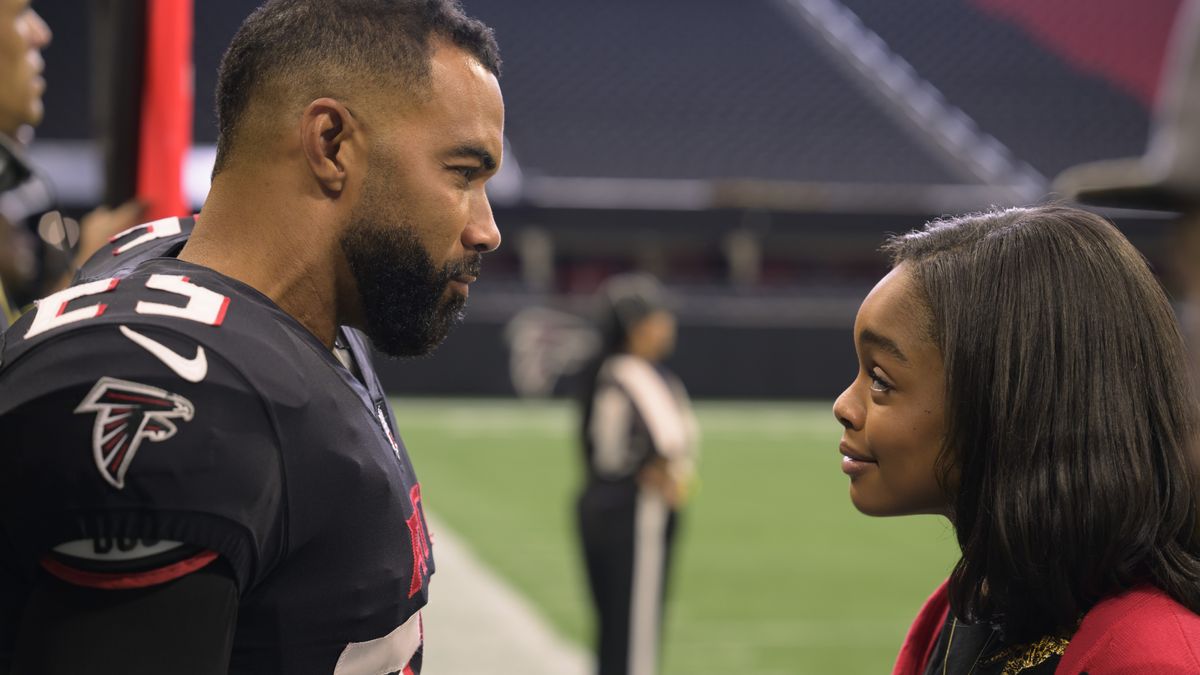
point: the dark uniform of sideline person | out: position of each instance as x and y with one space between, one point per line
203 474
640 442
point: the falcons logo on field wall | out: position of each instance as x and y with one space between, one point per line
126 414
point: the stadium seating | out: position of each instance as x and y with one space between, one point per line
698 89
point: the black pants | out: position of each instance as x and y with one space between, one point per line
627 540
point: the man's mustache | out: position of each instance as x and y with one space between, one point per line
470 265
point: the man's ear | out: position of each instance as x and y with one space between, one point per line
326 129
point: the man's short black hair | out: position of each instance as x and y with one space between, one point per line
320 48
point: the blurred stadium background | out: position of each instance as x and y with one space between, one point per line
753 154
776 573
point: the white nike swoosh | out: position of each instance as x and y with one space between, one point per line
192 370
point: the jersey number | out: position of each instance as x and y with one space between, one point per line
203 306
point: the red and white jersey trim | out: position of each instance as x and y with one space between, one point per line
127 580
388 654
158 229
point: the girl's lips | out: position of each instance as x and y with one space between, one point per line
854 455
854 467
854 463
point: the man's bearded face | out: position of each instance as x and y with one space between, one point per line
405 297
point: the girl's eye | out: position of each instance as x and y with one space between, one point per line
878 383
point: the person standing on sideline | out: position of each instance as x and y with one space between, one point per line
640 443
202 471
23 36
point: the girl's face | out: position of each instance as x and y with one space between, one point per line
893 411
653 336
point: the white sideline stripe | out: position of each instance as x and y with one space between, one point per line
649 546
476 624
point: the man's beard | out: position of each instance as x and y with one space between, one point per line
403 296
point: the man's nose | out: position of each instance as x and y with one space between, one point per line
482 235
38 30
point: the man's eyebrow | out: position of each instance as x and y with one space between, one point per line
475 152
870 337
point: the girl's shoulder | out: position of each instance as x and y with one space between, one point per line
923 633
1142 630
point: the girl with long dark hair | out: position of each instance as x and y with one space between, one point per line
1021 373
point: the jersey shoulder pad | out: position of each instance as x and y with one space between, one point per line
140 432
212 316
34 368
130 248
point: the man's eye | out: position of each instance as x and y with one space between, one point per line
467 172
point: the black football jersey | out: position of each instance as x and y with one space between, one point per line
157 400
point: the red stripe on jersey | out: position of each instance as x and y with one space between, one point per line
126 581
408 670
138 399
112 443
221 314
115 463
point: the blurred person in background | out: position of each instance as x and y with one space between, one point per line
23 35
1020 373
639 439
203 472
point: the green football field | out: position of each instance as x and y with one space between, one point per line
776 572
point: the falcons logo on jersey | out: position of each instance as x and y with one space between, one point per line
126 414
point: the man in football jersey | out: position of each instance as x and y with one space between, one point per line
202 472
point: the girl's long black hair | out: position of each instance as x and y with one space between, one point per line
1071 418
